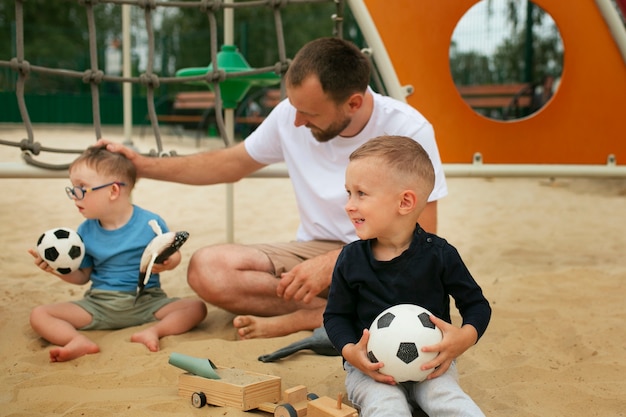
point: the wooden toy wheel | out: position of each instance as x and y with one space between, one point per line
285 410
312 396
198 399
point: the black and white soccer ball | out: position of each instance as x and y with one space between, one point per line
397 336
62 248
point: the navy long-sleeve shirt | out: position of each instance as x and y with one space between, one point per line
427 274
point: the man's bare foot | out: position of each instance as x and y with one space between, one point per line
148 337
77 347
255 327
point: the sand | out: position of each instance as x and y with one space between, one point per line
549 255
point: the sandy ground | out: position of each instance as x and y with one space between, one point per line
549 255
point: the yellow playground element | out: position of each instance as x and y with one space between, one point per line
584 123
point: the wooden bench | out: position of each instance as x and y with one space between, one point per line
190 107
187 108
267 99
198 107
505 99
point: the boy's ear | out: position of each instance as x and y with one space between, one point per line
408 201
116 190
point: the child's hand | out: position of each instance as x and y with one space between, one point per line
356 355
168 264
40 262
163 266
454 343
79 277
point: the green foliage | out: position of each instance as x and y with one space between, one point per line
470 68
55 35
187 32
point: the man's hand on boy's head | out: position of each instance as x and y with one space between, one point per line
140 161
356 355
454 343
117 148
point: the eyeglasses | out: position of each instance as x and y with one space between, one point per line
78 193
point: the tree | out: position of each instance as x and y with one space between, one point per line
187 32
56 36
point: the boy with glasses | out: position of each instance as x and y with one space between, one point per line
115 234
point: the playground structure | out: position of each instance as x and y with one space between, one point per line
578 133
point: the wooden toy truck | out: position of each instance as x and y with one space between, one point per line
297 402
245 390
248 390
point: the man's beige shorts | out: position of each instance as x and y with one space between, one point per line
284 256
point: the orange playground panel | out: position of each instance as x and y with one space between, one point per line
584 123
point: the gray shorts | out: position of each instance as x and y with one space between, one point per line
115 309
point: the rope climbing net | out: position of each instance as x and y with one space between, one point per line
148 79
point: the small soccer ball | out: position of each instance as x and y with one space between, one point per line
62 248
397 336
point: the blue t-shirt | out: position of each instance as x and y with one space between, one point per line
115 255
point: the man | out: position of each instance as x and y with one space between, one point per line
279 289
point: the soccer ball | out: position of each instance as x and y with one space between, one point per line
397 336
62 249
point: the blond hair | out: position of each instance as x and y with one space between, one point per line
404 157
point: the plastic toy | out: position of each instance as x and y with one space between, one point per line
318 342
158 250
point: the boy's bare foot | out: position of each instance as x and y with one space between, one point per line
77 347
148 337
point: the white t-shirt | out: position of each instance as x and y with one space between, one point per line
317 170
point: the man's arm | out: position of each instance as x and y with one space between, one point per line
204 168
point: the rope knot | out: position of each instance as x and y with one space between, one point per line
215 76
22 67
210 5
93 76
277 4
149 80
281 67
147 4
27 145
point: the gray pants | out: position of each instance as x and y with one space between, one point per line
438 397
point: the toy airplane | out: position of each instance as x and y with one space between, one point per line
158 250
